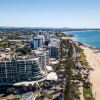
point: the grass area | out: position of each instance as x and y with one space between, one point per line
83 58
87 93
56 67
46 94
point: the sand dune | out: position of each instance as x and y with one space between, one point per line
94 61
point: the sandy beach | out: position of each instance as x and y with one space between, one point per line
94 61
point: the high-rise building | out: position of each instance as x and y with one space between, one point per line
47 35
41 53
21 70
53 51
53 46
47 57
37 42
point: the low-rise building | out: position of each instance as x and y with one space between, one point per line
28 96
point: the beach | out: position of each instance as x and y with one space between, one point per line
93 57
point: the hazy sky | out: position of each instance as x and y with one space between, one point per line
50 13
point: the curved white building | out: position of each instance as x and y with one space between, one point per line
21 70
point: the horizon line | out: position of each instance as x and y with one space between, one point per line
49 27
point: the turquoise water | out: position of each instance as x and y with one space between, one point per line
91 38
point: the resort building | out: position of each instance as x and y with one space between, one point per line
43 55
25 65
27 69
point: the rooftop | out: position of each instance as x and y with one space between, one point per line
28 96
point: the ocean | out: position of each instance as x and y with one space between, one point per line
90 38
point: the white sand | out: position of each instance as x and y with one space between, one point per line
68 37
94 62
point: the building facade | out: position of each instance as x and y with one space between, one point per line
37 42
21 70
53 52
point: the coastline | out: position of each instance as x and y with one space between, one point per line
89 38
93 58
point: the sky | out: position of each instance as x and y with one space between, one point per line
50 13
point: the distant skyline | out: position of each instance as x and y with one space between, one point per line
50 13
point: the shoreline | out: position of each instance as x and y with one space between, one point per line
93 58
81 31
86 45
75 39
